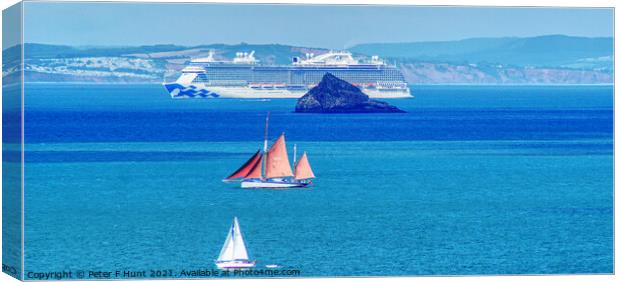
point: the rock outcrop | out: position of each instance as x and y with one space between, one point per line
334 95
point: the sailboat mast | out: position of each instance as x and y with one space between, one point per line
266 132
294 154
264 162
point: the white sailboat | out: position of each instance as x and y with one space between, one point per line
233 253
272 169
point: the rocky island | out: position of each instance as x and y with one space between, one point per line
334 95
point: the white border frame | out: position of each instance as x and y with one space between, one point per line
505 3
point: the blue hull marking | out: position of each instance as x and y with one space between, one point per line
177 90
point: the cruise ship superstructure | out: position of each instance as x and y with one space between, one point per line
245 77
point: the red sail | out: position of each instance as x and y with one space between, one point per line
303 169
256 171
246 167
277 164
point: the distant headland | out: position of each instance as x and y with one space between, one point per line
540 60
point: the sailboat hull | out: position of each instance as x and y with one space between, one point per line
272 184
235 264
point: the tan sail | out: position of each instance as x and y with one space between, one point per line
303 169
256 171
246 167
277 164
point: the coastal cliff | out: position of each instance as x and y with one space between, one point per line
505 61
334 95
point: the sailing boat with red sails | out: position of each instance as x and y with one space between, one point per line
272 169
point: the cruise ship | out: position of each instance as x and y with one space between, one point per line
246 77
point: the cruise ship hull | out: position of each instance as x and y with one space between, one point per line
197 90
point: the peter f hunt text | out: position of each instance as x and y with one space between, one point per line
59 275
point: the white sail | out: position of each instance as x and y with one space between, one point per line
228 249
239 250
234 246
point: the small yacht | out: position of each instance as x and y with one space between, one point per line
234 254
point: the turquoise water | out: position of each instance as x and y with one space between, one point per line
515 180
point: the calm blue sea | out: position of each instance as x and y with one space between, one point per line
472 180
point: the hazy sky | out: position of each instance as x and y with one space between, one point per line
315 26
